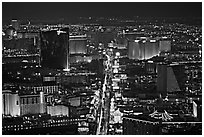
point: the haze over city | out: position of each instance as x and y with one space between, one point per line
57 10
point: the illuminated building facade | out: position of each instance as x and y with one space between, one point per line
142 49
134 49
77 44
55 49
32 104
10 103
197 109
151 48
58 110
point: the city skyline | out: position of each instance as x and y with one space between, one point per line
102 68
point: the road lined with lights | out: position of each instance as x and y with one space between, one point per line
105 99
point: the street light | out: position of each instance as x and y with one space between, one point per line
117 54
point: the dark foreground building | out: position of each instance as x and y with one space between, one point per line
146 125
170 78
55 48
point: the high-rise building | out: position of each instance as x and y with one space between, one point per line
170 78
10 103
77 44
134 49
151 48
162 78
55 48
142 49
154 47
15 24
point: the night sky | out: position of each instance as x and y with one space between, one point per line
53 10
